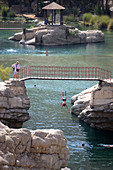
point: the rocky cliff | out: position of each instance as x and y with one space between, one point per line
14 103
57 35
95 106
32 150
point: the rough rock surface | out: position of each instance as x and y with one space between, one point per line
95 106
58 35
21 149
14 103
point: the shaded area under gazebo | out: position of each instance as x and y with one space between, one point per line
53 7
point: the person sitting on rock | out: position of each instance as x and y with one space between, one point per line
46 21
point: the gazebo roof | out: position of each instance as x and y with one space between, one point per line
53 6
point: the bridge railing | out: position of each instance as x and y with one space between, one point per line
57 72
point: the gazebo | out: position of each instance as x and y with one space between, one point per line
53 7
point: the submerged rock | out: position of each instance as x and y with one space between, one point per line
95 106
57 35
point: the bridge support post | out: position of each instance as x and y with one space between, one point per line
24 34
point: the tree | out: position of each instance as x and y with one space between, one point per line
4 73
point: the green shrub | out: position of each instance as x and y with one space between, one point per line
4 73
4 11
75 11
110 25
94 20
11 14
87 18
69 19
104 21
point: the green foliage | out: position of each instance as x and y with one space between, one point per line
20 19
100 22
75 11
4 11
110 25
69 19
95 20
4 73
104 21
87 18
50 17
11 14
96 11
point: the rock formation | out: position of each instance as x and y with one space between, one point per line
95 106
32 150
57 35
14 103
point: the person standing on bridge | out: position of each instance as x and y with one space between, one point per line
64 98
16 68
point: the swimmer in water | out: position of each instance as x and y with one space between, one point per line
46 52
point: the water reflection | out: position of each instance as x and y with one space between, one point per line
99 156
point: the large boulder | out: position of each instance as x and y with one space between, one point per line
32 150
95 106
14 103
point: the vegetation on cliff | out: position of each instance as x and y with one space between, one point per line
4 73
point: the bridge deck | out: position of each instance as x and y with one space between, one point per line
59 78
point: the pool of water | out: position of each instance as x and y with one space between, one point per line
46 97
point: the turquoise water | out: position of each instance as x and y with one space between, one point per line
46 98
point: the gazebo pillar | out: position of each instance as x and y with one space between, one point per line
61 17
52 16
45 14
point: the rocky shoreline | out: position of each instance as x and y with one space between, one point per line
95 106
57 35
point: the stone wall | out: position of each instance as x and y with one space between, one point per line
21 149
95 106
14 103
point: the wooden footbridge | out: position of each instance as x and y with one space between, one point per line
63 73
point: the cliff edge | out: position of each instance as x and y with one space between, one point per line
95 106
14 103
